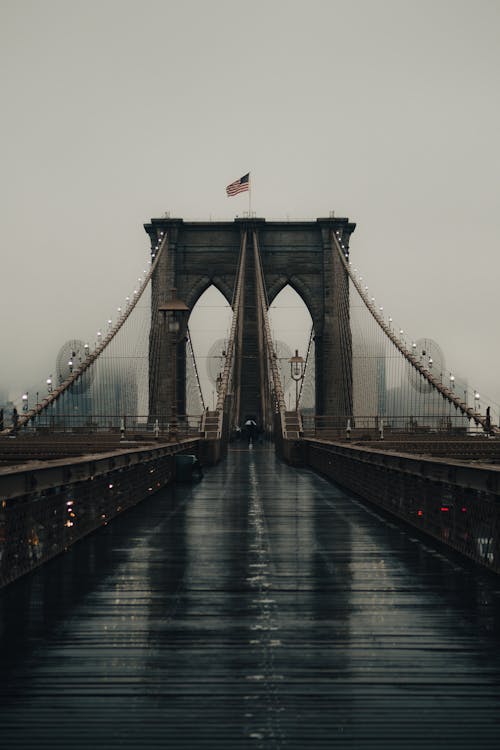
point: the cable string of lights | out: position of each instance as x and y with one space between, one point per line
424 369
55 392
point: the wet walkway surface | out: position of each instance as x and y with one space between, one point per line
262 607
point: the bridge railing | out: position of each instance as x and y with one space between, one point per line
48 505
145 426
458 505
380 426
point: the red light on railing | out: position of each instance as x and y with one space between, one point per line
444 509
464 510
420 512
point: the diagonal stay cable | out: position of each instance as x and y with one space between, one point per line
226 373
446 393
91 358
270 352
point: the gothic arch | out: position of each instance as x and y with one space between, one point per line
302 289
200 287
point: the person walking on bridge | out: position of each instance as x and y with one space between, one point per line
250 428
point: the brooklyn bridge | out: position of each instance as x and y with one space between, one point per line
250 572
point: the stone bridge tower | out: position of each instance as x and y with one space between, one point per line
295 253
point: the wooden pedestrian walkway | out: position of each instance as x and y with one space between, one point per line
261 607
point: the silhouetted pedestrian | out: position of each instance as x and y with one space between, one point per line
250 428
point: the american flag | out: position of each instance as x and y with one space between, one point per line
239 186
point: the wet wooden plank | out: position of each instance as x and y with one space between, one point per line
262 608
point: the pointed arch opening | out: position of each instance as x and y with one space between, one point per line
209 326
292 329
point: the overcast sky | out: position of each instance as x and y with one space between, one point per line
115 111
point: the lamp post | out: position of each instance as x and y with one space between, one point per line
297 373
477 406
24 399
174 314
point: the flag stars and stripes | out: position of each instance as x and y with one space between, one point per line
239 186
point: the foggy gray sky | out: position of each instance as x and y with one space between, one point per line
114 111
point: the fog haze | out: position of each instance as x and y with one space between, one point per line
116 111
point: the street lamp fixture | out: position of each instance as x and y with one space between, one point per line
476 401
24 398
297 368
174 313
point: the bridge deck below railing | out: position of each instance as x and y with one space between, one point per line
262 607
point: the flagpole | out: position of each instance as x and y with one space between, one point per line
249 197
